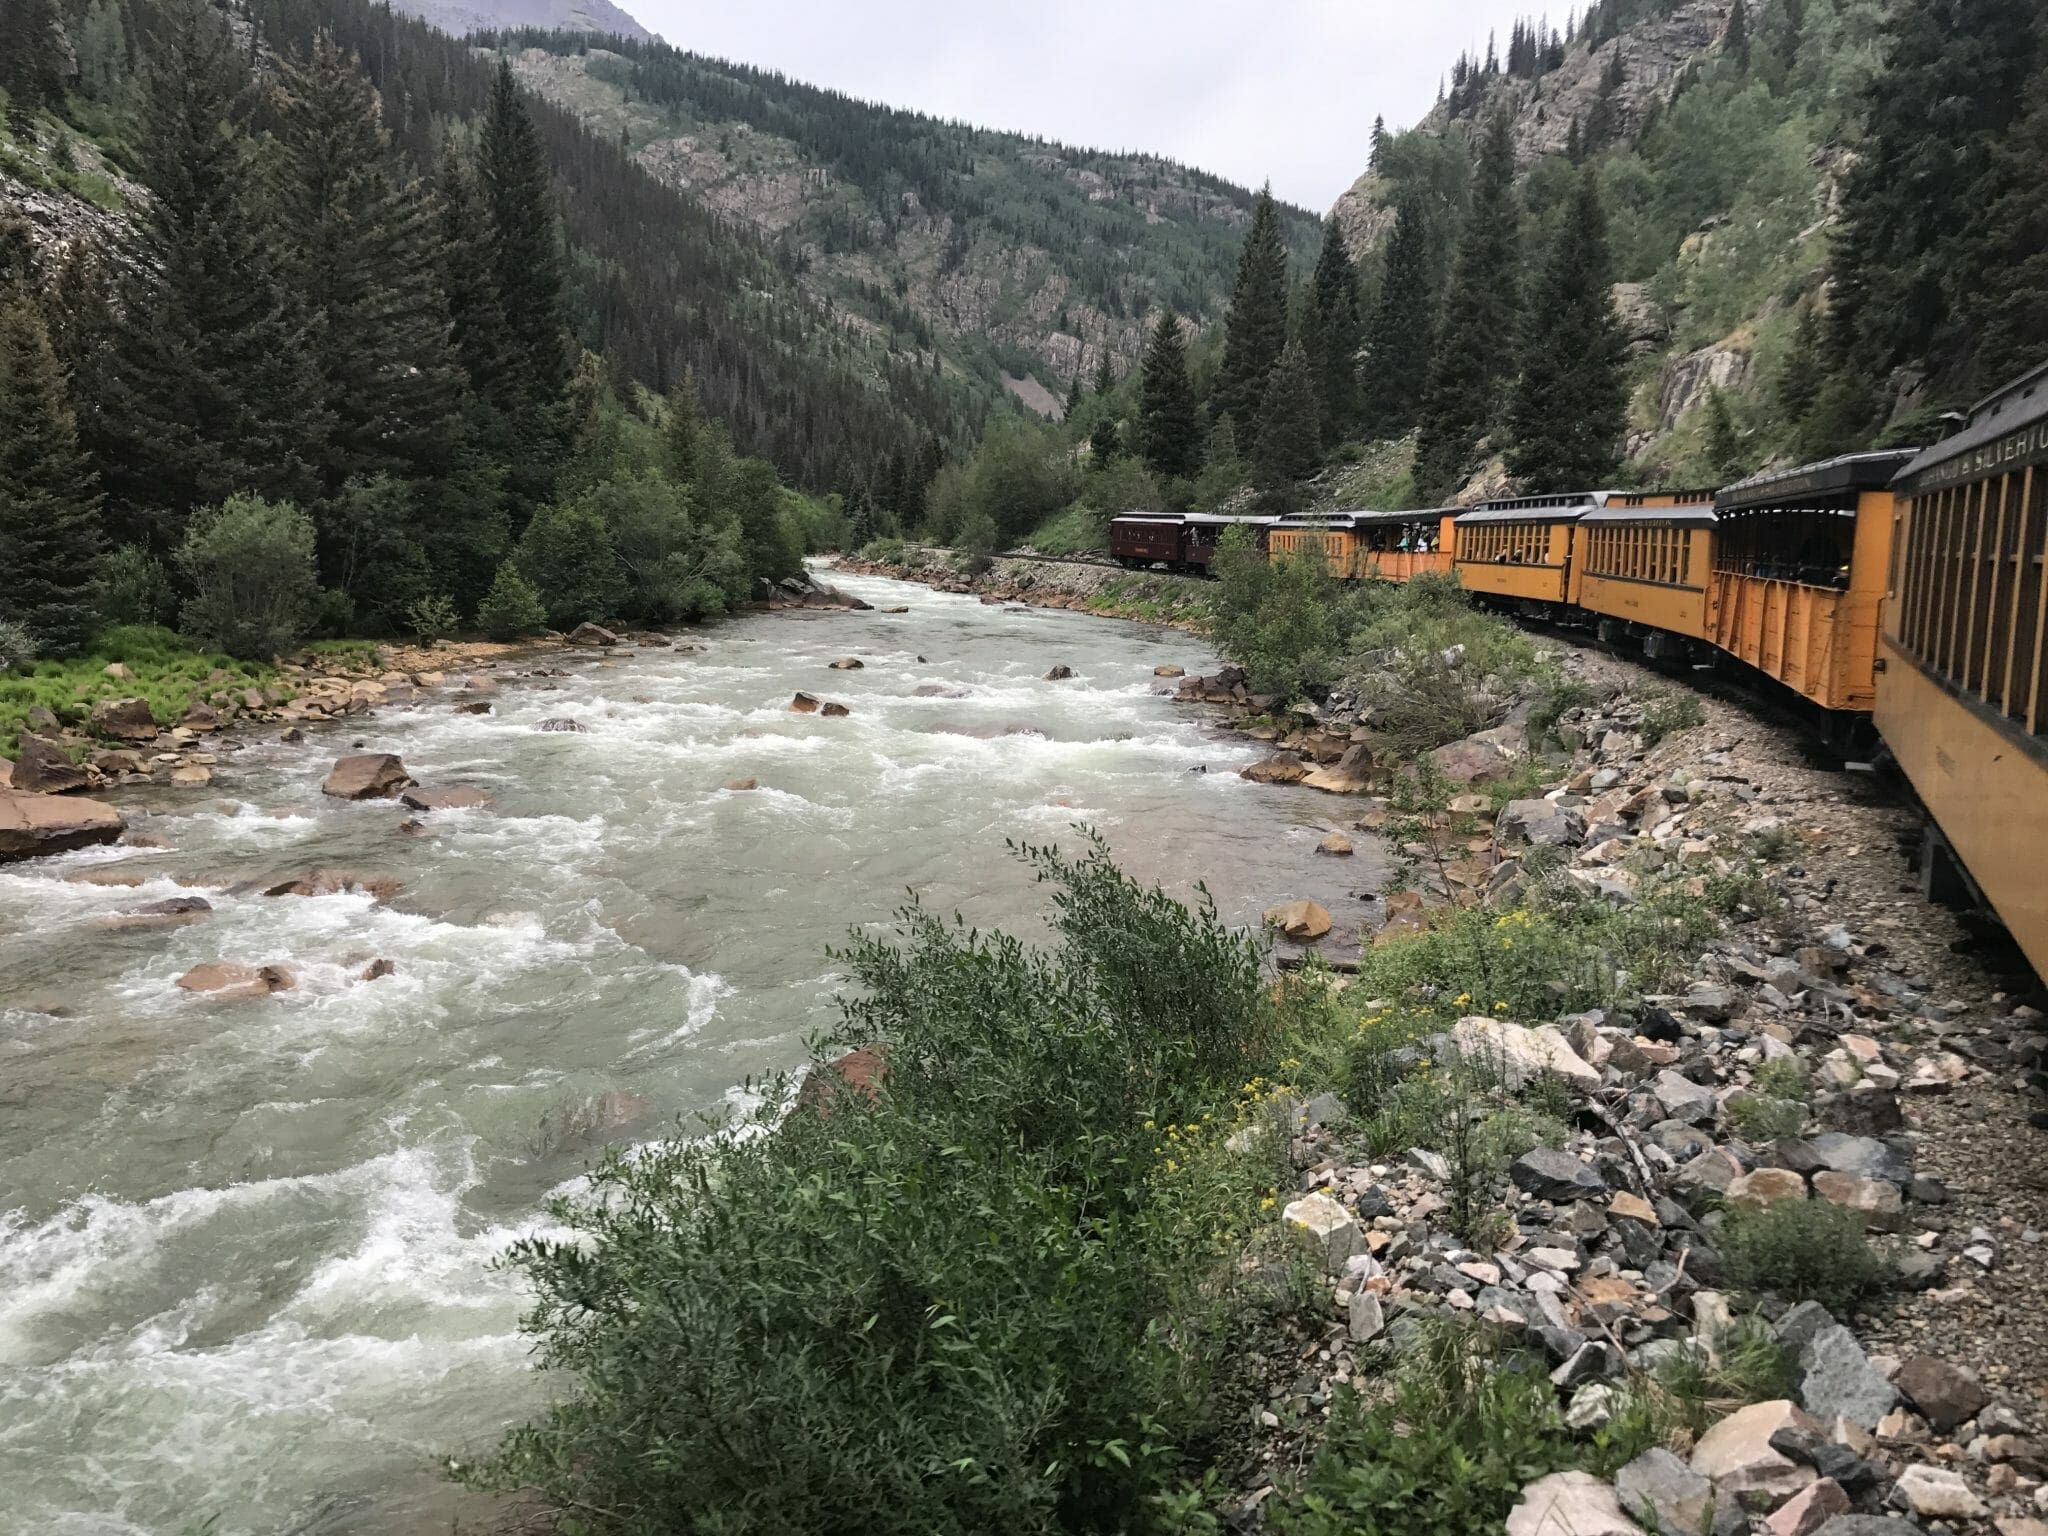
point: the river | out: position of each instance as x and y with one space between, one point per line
246 1249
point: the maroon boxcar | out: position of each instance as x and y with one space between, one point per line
1142 539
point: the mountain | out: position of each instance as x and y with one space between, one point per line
594 16
1015 261
1721 157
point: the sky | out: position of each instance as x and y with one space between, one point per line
1255 90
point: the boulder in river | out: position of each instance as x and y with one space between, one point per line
1336 843
1169 670
562 723
1302 921
124 719
834 709
857 1072
378 969
230 981
201 717
37 824
588 633
473 707
366 776
176 912
1282 768
848 664
41 767
457 797
803 704
1059 674
335 882
742 784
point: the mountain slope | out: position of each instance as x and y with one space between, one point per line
1009 256
461 17
1721 177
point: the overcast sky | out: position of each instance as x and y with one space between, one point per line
1251 89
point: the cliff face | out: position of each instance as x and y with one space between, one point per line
1720 184
462 17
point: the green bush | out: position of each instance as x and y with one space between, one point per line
135 588
511 610
976 543
432 618
566 553
17 646
681 563
966 1306
1281 619
1802 1250
1669 713
250 563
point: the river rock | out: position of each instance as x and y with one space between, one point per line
41 767
33 825
124 719
831 709
587 633
175 912
473 706
1523 1055
564 724
378 969
457 797
738 785
1837 1380
201 717
1665 1494
1282 768
860 1072
1302 921
848 664
335 882
1169 670
1946 1395
229 981
366 776
1336 843
1574 1502
803 704
1059 674
116 761
1478 759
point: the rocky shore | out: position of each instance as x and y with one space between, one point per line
1105 590
1835 1045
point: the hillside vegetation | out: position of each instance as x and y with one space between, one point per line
967 250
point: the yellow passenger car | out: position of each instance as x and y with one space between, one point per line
1962 700
1644 563
1333 534
1799 570
1398 546
1518 552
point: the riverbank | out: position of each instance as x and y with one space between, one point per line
1107 591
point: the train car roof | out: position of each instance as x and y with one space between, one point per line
1148 517
2007 429
1809 487
1688 514
1566 508
1396 519
1253 519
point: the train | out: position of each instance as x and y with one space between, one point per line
1900 596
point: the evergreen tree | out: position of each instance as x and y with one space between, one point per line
1735 37
209 391
1332 334
682 429
1723 447
2005 291
476 319
1076 392
1169 418
1473 351
31 55
525 265
1803 367
364 260
1953 83
1290 440
1574 145
50 540
1603 118
1570 403
1397 341
1379 144
1105 375
1255 331
1106 440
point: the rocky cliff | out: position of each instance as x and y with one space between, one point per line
462 17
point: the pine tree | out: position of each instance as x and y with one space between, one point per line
1256 330
364 260
1169 418
1106 440
1105 375
476 320
1803 367
1289 445
1473 352
209 392
1397 341
1570 403
1332 334
31 71
525 264
1723 447
50 539
2006 293
1953 84
1735 37
1076 392
1377 159
681 430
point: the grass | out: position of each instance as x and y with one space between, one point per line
1802 1250
169 672
350 652
1075 530
1666 714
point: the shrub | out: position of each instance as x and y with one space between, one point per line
976 543
1667 714
251 565
432 618
961 1306
1279 618
17 646
680 563
566 552
135 588
1761 1117
1802 1250
511 610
